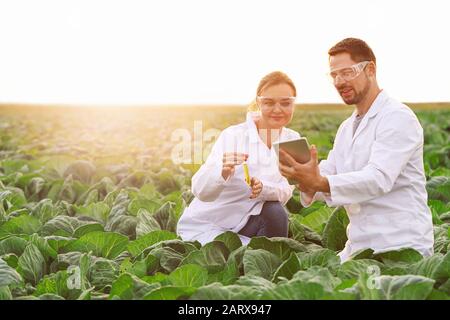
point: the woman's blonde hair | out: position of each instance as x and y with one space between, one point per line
271 79
253 106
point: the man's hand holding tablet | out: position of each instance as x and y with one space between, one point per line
299 164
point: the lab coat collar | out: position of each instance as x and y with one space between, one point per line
253 130
376 105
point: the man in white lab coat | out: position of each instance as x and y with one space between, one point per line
375 168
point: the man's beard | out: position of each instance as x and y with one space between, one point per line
358 96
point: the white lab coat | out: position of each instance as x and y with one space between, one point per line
378 176
221 205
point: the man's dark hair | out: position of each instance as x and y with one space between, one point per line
357 48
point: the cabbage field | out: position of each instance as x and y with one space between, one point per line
90 198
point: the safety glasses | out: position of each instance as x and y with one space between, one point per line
266 102
347 73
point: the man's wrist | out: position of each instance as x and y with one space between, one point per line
323 185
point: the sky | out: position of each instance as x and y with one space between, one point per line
213 52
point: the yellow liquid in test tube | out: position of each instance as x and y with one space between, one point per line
246 174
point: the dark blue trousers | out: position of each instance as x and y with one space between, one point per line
271 222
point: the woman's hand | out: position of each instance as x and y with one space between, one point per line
256 186
230 160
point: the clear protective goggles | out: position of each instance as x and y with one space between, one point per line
270 102
347 73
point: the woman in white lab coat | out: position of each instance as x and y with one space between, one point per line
224 201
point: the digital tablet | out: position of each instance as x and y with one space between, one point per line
298 149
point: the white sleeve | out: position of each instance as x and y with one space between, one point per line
207 182
397 138
276 191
